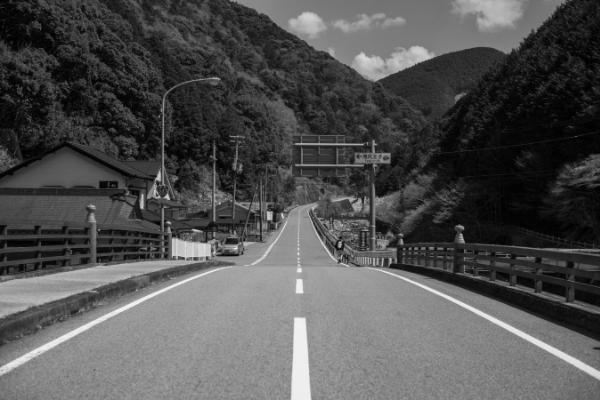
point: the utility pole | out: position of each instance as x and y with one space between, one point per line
214 187
373 246
266 189
235 139
260 193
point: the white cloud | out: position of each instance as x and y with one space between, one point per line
491 14
308 23
366 22
390 22
331 51
375 67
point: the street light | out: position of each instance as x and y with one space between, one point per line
213 81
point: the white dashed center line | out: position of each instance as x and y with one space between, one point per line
300 371
299 286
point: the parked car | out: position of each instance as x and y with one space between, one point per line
232 245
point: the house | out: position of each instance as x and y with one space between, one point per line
76 166
61 181
243 218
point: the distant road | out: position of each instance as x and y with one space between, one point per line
294 324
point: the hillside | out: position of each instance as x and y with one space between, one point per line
522 147
94 71
433 86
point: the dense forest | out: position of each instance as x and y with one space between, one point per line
433 86
94 72
522 148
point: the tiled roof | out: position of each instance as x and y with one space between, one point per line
149 168
90 152
55 207
105 159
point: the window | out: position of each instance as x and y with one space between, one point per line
109 184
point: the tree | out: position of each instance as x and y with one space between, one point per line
575 198
6 160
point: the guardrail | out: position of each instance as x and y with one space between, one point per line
31 248
576 275
381 258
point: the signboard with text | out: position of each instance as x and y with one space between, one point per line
372 158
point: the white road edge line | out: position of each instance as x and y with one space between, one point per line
299 286
271 246
536 342
318 237
5 369
300 370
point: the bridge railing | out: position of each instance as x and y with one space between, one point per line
382 258
573 274
26 248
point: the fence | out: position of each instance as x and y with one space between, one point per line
27 248
576 275
183 249
382 258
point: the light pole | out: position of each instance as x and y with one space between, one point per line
211 81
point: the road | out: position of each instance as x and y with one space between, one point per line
291 323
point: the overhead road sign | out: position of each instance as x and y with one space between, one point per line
372 158
319 156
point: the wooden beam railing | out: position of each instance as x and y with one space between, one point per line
571 274
32 248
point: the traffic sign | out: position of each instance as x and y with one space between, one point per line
162 190
372 158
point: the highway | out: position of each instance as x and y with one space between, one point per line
288 322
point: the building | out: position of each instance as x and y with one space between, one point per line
58 185
75 166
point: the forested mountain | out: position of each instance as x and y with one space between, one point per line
523 147
94 71
433 86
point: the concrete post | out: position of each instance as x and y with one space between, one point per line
93 232
169 241
459 254
400 251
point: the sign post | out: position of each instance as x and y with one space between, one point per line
320 156
373 244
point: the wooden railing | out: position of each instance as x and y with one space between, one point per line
30 248
382 258
576 275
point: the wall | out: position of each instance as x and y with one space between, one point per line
65 168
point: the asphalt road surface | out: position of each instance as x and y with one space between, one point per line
288 322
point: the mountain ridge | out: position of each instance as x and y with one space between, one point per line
433 85
522 147
94 72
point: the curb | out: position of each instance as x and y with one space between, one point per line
574 315
25 322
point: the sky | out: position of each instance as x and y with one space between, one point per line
381 37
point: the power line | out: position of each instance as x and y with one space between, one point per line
519 144
510 174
